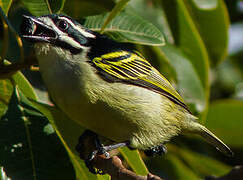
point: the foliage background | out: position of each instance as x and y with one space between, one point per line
202 57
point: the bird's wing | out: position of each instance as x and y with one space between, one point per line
132 68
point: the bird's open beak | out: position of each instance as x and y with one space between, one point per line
35 30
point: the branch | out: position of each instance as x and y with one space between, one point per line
114 167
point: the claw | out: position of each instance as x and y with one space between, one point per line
157 150
100 149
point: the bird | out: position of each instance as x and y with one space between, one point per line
109 88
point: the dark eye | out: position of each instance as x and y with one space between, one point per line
61 24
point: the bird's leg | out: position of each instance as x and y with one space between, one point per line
99 149
157 150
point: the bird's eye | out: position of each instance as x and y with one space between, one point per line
63 25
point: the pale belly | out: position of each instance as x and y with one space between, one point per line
114 110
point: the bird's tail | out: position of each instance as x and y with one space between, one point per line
211 138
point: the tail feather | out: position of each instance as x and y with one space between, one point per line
212 139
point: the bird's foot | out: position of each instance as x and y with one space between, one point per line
88 162
100 149
157 150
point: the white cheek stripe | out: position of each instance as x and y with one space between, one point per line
70 41
78 28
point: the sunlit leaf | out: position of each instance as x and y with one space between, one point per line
205 4
188 39
134 160
115 11
213 26
24 85
127 28
189 85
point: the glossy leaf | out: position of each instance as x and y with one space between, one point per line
205 4
127 28
189 85
134 160
115 11
24 85
188 39
154 14
213 25
225 118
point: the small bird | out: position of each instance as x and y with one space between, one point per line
109 88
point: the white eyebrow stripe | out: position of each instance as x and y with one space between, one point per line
81 30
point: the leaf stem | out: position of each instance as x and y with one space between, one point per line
114 12
48 6
62 6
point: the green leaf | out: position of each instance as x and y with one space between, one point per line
6 89
189 85
23 148
36 7
115 11
68 132
225 118
207 165
41 7
188 39
205 4
77 9
24 85
181 171
154 14
61 6
5 5
213 25
134 160
56 6
127 28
